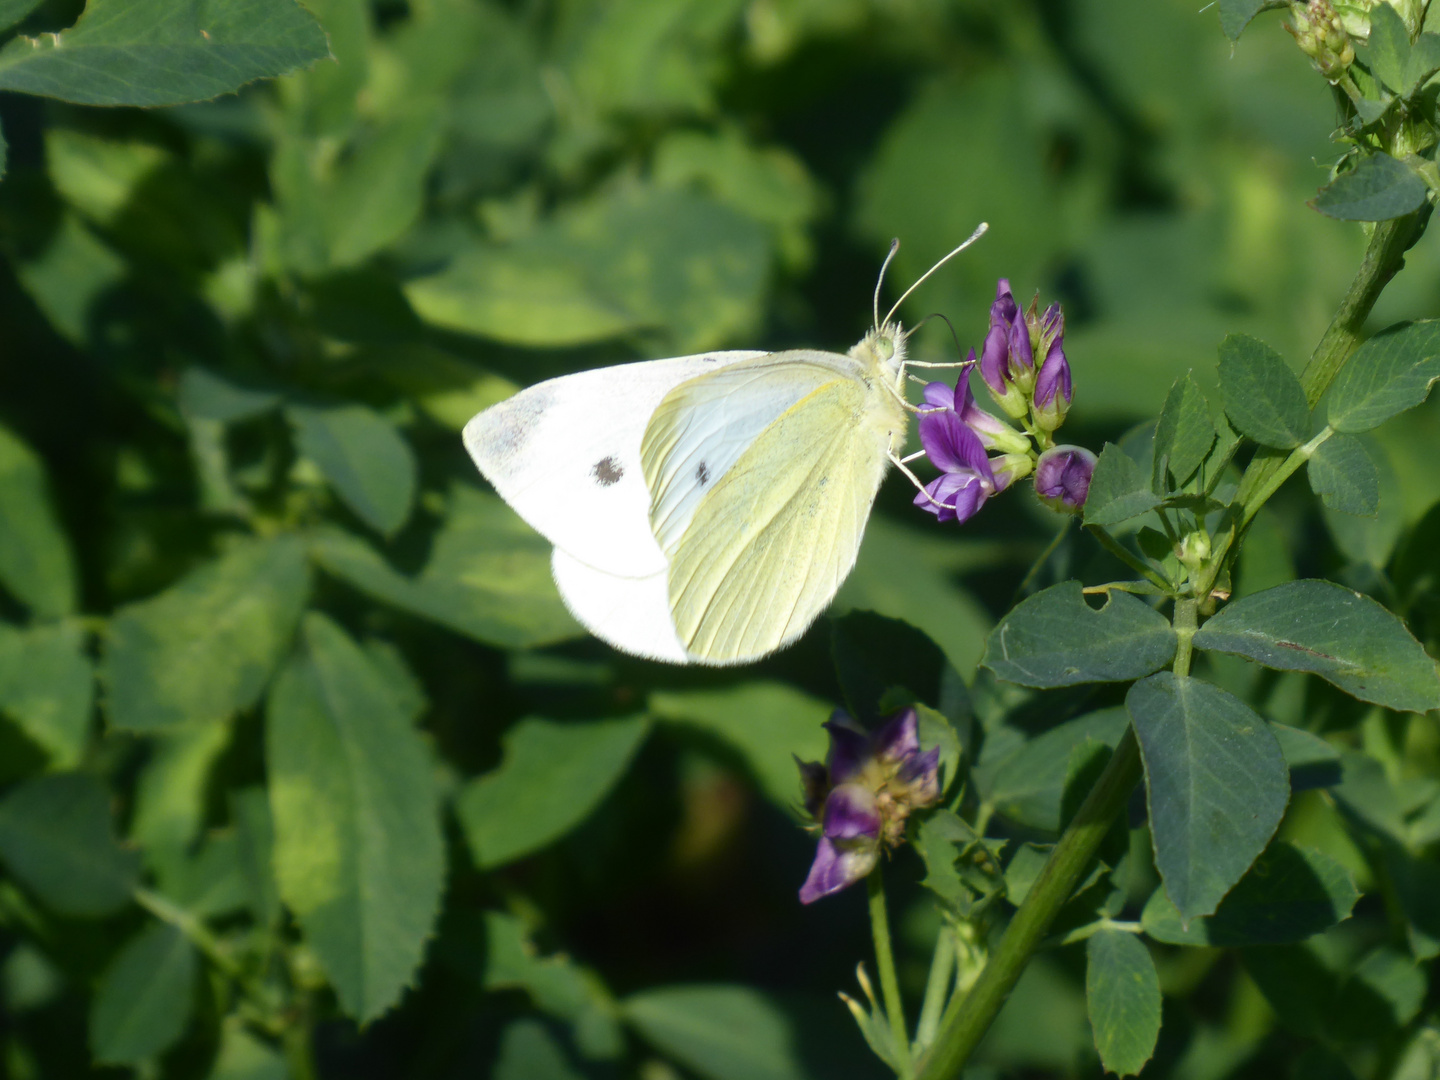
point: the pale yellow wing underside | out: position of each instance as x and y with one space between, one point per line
770 542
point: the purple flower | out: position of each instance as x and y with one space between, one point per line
863 795
1062 478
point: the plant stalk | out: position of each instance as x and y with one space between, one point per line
1383 259
968 1018
885 962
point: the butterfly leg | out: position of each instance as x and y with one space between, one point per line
899 463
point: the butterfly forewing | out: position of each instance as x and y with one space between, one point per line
702 427
770 542
565 453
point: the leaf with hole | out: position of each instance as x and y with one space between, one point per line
1055 638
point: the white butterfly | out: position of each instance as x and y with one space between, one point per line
705 509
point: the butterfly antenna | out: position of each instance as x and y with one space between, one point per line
979 232
880 281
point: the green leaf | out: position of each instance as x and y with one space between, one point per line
1382 994
1263 398
942 841
556 984
1312 761
36 566
380 189
1215 782
553 775
255 850
170 794
1343 475
47 687
1235 15
1388 47
1028 786
163 52
1122 991
1424 61
697 1026
1370 540
1390 373
1055 638
204 649
529 1052
1183 436
12 11
1324 628
145 998
57 838
366 460
1378 188
243 1056
488 575
1119 490
770 723
359 854
203 395
1289 894
577 280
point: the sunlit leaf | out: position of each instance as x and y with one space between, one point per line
358 846
205 648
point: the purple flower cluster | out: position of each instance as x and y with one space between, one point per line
862 796
1007 360
958 435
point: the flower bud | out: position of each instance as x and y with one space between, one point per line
1052 387
1193 550
1007 359
1322 35
1062 478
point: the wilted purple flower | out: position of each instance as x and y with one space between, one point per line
862 796
1062 477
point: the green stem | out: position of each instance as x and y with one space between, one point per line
1383 259
1185 622
1110 544
968 1018
885 961
299 1053
267 1005
1023 590
937 987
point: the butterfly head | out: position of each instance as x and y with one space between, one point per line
883 349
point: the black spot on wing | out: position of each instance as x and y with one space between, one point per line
607 471
702 474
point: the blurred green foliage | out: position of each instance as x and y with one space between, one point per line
308 771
